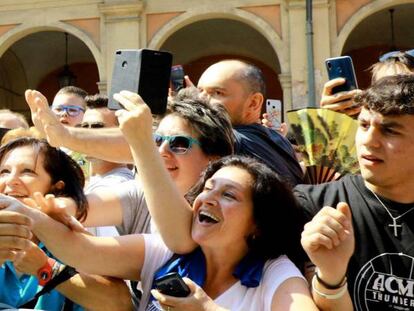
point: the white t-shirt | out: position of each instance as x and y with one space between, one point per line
237 297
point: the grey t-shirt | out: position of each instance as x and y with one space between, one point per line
136 218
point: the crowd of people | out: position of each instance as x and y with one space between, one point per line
95 205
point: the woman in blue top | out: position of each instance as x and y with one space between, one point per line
29 167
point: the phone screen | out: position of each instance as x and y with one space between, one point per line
146 72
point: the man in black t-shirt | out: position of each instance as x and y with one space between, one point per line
369 236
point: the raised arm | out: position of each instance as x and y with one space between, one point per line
329 241
170 211
107 143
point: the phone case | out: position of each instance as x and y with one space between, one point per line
274 112
172 284
342 67
146 72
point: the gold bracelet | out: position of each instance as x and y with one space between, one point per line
338 295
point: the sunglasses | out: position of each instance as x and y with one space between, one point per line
178 144
392 54
72 111
95 125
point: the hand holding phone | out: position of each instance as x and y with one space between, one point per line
336 95
173 285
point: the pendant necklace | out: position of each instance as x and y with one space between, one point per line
394 224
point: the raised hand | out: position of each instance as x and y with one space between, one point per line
44 119
283 129
135 121
56 209
340 102
329 241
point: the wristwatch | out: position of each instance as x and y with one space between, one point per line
45 273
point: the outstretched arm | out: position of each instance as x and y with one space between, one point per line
170 211
94 255
107 144
90 291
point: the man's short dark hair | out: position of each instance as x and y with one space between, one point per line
253 77
391 95
96 101
72 90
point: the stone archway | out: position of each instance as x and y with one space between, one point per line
198 39
41 53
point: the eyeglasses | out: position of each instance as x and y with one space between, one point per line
95 125
72 111
392 54
178 144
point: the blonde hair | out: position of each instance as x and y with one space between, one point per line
20 132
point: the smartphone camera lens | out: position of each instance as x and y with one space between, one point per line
329 65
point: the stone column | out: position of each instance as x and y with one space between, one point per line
285 80
120 29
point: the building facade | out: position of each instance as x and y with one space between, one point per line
269 33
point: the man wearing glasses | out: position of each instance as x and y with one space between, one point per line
69 105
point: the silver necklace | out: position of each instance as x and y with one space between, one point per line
394 224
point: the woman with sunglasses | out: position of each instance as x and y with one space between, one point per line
189 135
239 264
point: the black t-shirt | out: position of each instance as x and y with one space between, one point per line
381 271
270 147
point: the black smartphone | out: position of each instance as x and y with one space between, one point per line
172 284
177 78
146 72
342 67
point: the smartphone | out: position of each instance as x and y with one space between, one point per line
146 72
342 67
172 284
177 78
274 112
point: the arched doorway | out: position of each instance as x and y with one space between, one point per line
372 37
41 57
199 44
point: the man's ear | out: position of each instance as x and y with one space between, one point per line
58 187
254 107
